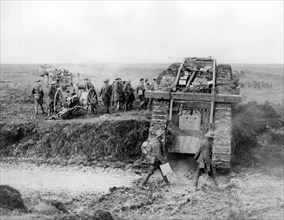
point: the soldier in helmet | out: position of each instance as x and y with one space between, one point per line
118 94
157 159
204 158
141 94
128 95
106 92
38 94
51 94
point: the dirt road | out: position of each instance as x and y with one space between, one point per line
250 194
76 180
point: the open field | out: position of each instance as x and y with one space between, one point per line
96 158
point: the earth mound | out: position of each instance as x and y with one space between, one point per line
257 135
11 198
115 140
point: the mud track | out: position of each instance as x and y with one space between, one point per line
80 190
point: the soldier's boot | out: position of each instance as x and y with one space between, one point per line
117 107
165 178
36 110
107 110
196 183
43 112
146 178
48 112
196 178
149 173
215 180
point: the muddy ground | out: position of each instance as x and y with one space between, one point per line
252 194
63 173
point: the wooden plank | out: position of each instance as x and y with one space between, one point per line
171 110
158 95
194 96
190 79
178 73
213 93
206 97
193 104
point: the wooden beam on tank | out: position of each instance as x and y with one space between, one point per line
206 97
158 95
193 104
226 98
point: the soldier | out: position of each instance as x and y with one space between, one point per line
88 84
51 93
128 95
147 88
140 93
106 92
38 94
204 158
154 85
118 93
157 158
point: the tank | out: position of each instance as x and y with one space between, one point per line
195 96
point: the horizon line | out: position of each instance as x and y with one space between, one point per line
130 63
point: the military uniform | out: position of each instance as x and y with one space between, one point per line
89 85
51 94
141 94
204 158
118 94
106 92
157 160
128 94
38 94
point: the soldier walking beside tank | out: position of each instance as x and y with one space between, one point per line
204 158
38 94
106 92
157 158
50 101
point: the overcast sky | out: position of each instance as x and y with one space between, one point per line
141 31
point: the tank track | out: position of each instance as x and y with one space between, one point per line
222 124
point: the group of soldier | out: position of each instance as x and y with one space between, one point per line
38 93
119 94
